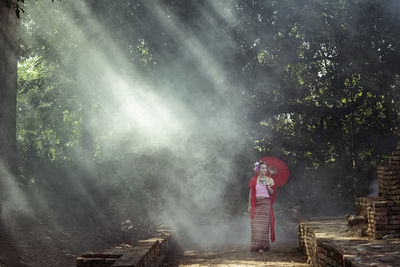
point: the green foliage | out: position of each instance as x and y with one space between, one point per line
319 79
48 122
333 103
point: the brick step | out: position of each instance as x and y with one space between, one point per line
150 252
330 242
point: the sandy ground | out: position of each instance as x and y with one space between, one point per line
285 253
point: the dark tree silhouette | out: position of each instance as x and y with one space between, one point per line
8 90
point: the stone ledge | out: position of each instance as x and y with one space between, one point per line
150 252
330 241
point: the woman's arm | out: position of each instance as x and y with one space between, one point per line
270 190
270 184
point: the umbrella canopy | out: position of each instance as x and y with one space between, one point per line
277 170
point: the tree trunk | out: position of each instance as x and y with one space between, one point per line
8 91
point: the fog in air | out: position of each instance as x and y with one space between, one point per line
164 142
133 114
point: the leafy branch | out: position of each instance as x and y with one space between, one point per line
15 4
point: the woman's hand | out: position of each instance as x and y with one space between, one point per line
249 208
270 190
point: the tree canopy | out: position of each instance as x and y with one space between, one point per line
315 83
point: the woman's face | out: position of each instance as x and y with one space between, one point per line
263 169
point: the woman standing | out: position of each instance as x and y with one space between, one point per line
261 196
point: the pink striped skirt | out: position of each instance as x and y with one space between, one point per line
260 225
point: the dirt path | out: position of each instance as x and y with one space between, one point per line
281 254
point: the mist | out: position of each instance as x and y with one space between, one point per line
133 114
175 135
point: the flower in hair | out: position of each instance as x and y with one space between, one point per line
256 166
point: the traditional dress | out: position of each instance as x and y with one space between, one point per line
261 217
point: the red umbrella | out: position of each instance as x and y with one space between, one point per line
277 169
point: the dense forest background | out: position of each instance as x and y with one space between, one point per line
155 111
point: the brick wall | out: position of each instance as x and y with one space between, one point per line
361 205
389 181
383 216
389 177
150 252
319 244
331 242
394 159
383 212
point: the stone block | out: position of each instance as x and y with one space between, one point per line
381 222
339 250
150 252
